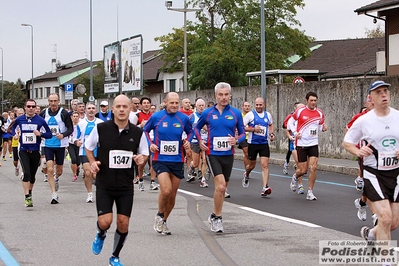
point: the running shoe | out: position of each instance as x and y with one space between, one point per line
77 171
10 155
361 210
158 226
153 186
45 178
203 183
294 183
285 169
28 201
199 175
245 181
374 218
310 196
216 223
16 171
4 158
54 199
207 174
74 178
97 244
365 233
226 194
359 184
135 180
89 198
165 229
300 190
114 261
141 185
22 176
295 167
266 191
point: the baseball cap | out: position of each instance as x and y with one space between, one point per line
104 103
377 84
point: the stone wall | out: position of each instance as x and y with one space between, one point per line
339 100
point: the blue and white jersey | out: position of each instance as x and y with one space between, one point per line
168 130
105 118
194 117
263 121
220 127
56 126
84 128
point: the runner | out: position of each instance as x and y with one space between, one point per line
379 130
61 127
310 121
121 145
259 124
222 121
167 155
28 129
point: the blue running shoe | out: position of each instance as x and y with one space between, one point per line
97 245
114 261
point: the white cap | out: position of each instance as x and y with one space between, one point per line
105 103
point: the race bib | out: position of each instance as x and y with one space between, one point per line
119 159
221 144
54 130
262 131
313 131
169 148
28 138
387 160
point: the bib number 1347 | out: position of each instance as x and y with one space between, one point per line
120 159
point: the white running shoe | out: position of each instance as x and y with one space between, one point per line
294 183
361 210
153 186
141 185
301 190
310 196
16 171
216 224
359 184
89 198
245 181
374 218
203 184
45 179
158 225
285 169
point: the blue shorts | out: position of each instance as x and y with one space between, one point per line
58 153
177 169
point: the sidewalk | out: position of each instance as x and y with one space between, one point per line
61 234
341 166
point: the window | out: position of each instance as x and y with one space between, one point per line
57 90
36 93
172 85
48 91
40 93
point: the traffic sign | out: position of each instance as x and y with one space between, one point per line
91 98
68 91
298 80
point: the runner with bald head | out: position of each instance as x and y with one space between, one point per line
120 145
167 155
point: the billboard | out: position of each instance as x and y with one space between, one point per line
111 67
131 63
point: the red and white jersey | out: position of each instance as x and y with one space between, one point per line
309 122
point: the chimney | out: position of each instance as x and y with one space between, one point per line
53 66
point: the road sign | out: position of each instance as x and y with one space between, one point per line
68 91
298 80
91 98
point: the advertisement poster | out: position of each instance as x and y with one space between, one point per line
131 62
111 67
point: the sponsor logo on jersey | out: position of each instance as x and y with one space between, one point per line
229 117
164 124
215 117
177 125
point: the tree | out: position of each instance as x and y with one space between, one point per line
375 33
225 44
13 95
98 83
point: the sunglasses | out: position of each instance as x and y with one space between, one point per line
31 106
136 103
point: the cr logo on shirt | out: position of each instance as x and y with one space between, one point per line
389 142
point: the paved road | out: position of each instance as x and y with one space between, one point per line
61 234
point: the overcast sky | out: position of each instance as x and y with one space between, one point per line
66 24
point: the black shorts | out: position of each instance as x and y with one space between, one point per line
177 169
123 200
243 144
221 165
380 185
83 159
195 147
58 153
305 152
255 149
6 139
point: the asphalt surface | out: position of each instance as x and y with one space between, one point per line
62 234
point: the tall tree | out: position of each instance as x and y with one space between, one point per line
98 83
225 44
13 94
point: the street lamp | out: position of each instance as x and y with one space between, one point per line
168 5
2 83
28 25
